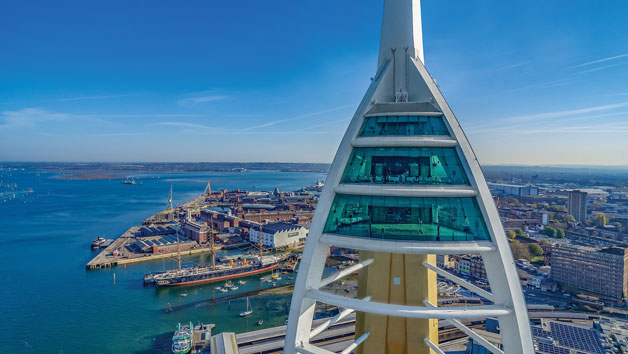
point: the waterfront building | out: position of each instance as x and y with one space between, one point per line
278 235
602 272
195 230
404 186
513 190
162 244
577 205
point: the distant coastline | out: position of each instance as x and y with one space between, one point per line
118 170
88 176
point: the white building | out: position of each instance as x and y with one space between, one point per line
279 235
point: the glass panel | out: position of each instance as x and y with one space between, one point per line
404 166
399 218
403 126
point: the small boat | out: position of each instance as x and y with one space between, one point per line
98 242
183 295
228 284
260 322
248 309
242 282
222 290
129 181
218 287
234 288
182 339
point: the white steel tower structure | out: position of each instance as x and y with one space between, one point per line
404 186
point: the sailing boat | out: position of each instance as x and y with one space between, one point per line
248 309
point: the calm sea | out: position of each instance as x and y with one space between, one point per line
49 303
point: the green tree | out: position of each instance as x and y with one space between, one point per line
560 233
519 232
544 241
511 234
599 219
535 250
549 231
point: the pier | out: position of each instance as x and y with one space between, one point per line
117 253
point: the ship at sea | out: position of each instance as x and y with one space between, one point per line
129 181
245 267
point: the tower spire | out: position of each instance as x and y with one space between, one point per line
401 29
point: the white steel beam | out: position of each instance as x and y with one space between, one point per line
423 114
405 141
307 348
408 247
334 320
355 344
468 331
454 191
474 288
409 311
343 273
433 346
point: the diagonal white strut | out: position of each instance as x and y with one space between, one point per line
334 320
476 289
433 346
468 331
343 273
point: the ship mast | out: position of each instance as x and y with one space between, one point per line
211 234
178 252
261 251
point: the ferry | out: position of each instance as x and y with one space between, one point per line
183 339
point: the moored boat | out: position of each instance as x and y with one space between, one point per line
183 339
100 242
248 311
207 274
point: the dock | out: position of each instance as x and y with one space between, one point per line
117 253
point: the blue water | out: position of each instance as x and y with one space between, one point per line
49 303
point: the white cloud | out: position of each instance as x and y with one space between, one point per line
311 114
566 113
202 97
80 98
599 61
29 117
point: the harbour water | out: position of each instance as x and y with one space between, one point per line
49 303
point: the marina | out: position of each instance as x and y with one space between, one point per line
69 214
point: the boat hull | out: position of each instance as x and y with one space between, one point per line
223 277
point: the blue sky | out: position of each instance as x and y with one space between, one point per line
532 82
